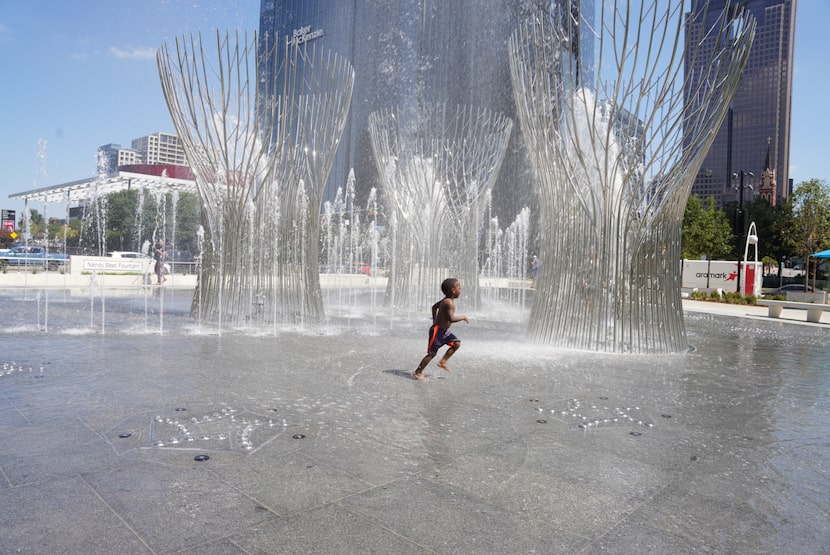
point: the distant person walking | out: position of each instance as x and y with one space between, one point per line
535 263
443 316
160 254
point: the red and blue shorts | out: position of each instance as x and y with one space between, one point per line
438 337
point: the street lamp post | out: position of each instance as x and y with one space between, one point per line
740 220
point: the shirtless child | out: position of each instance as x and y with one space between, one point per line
443 316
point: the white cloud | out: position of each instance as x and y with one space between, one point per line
134 54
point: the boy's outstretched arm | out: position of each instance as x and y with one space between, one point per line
449 312
453 318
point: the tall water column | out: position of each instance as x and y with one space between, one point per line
260 165
437 166
616 144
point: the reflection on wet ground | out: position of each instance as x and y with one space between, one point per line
723 448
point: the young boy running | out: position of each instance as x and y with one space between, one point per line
443 316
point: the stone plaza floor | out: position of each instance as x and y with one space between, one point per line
128 428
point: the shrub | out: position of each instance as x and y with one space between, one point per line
728 297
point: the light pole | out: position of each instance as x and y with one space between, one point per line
739 217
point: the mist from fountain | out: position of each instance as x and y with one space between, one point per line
437 166
260 166
351 249
504 273
613 179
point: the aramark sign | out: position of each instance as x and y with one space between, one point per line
722 274
303 35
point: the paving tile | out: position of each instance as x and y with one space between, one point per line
337 450
63 516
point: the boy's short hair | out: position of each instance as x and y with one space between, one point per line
448 285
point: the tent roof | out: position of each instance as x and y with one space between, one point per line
83 189
822 254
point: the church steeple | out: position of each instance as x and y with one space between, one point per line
768 186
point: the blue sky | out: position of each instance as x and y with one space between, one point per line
82 74
77 75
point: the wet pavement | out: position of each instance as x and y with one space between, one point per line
128 427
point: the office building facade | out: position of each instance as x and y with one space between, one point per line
409 53
160 148
755 136
157 149
111 156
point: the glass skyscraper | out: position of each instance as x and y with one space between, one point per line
761 107
409 52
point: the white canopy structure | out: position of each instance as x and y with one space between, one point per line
78 191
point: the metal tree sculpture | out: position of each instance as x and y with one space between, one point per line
260 162
616 144
436 168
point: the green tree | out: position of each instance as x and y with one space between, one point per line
73 234
37 225
121 218
131 223
161 213
706 231
188 219
55 229
810 225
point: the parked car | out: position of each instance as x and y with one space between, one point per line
794 287
33 256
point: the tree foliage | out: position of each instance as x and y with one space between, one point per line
36 224
55 231
809 227
706 230
797 228
133 220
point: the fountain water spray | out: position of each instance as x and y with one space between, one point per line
504 271
437 166
616 144
260 162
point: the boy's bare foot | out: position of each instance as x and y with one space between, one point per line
420 376
442 364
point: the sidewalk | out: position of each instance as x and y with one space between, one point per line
788 315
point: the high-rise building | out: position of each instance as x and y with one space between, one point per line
160 148
111 156
755 136
408 53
